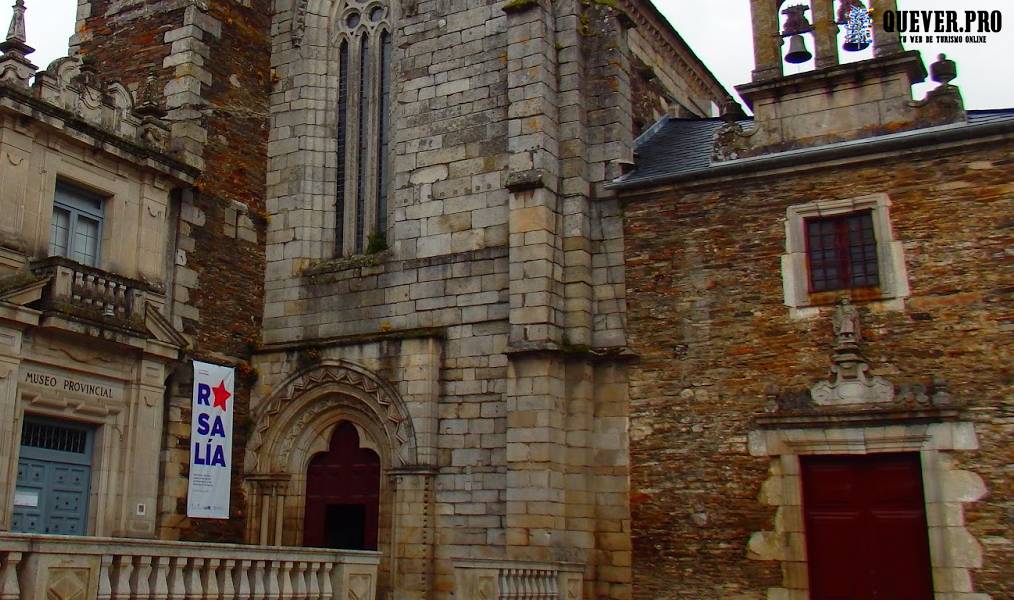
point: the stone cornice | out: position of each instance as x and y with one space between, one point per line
669 37
875 149
26 105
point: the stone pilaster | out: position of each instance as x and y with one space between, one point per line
575 189
536 289
885 42
10 362
825 34
536 454
141 482
413 533
767 42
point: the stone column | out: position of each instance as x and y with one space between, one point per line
825 34
884 42
767 43
10 349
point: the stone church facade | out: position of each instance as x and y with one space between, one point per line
460 301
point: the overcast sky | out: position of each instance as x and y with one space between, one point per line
718 31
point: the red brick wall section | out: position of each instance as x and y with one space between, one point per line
219 286
707 317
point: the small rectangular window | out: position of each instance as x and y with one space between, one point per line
842 252
76 229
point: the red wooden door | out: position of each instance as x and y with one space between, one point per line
343 494
866 527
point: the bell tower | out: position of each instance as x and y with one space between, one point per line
836 101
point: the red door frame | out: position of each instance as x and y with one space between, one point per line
866 532
345 475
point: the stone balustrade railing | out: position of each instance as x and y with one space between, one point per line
41 567
74 286
516 580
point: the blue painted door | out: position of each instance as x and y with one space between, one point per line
54 476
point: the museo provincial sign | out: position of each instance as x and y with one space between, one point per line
63 383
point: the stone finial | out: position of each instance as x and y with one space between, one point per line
851 381
17 29
731 110
943 104
14 67
944 70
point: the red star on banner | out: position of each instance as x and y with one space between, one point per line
221 395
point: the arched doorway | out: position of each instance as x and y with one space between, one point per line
343 494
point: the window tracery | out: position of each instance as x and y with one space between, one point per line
362 38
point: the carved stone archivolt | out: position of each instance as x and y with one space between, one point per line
317 398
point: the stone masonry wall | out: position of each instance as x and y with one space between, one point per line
212 60
505 249
707 317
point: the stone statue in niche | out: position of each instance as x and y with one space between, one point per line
851 381
845 321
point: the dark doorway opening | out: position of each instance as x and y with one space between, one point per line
343 494
345 526
865 521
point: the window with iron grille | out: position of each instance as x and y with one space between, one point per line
363 59
53 436
842 252
76 228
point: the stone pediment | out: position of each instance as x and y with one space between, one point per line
161 329
22 288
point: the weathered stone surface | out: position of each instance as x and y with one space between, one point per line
707 316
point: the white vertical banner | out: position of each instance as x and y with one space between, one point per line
211 442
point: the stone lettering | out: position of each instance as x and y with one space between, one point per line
68 385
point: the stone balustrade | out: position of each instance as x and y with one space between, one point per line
40 567
74 286
515 580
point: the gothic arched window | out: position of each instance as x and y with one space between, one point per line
363 37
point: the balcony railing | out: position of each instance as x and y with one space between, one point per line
86 291
514 580
38 567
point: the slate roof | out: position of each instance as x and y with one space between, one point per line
673 147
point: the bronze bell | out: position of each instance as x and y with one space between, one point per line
797 50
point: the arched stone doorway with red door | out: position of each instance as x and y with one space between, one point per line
343 494
332 462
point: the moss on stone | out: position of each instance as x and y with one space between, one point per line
519 5
18 280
